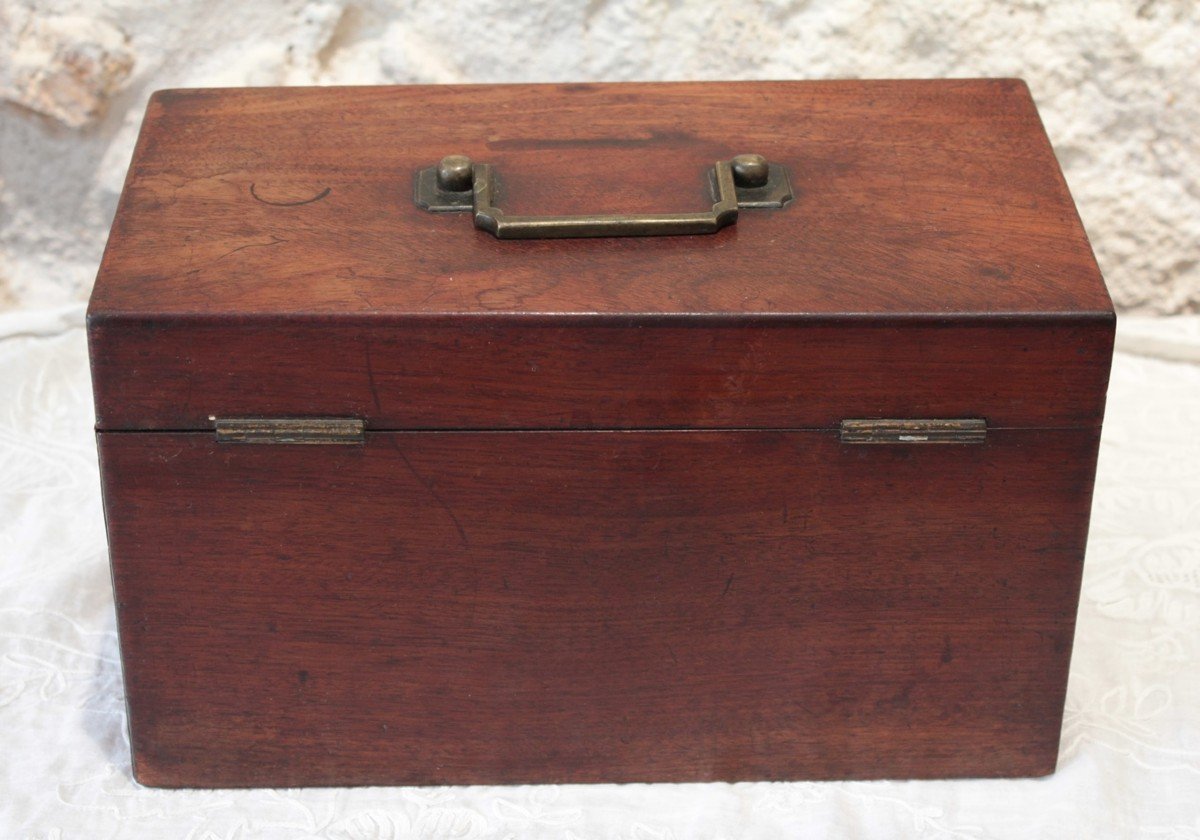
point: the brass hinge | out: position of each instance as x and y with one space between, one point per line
304 430
914 431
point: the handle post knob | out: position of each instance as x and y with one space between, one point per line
455 173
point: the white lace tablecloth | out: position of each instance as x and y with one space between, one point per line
1130 755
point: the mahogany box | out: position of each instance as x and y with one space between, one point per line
596 433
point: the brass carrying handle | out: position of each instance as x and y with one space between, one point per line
458 184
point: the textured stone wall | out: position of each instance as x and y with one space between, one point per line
1118 84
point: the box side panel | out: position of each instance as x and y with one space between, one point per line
595 373
435 608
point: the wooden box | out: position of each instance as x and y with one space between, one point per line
803 496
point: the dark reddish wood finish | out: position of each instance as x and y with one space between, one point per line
935 205
478 607
514 579
581 373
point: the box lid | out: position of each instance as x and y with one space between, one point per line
268 259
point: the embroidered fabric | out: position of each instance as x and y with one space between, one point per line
1130 756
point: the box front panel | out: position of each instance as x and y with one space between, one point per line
475 607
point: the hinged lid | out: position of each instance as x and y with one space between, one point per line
268 259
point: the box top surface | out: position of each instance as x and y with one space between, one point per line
913 197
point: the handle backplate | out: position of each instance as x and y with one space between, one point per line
457 185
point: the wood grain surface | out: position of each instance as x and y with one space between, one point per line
601 527
433 608
571 373
917 197
267 256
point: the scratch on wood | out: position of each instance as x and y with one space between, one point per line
371 380
275 240
428 485
362 295
316 197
